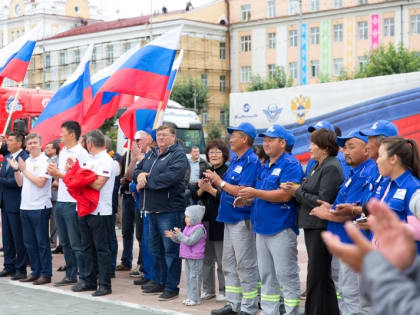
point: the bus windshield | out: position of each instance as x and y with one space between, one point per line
191 137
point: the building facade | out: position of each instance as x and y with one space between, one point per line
204 41
336 36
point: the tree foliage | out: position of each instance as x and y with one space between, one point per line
276 81
389 59
183 93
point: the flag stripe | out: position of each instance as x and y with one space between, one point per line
15 70
143 83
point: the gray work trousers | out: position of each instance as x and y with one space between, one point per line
349 284
213 255
193 277
240 267
278 265
335 270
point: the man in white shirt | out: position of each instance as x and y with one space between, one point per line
65 209
95 228
35 209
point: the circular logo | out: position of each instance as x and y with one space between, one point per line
45 102
246 107
18 106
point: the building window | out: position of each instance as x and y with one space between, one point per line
246 43
293 70
110 54
338 66
77 56
363 1
314 5
47 61
315 35
223 117
315 69
222 84
126 47
272 40
415 24
12 37
47 85
338 32
204 80
205 117
362 62
94 54
338 4
271 7
62 58
389 27
245 12
222 51
270 71
293 38
293 7
245 74
362 29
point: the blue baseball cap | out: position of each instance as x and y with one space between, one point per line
352 134
381 128
275 131
246 128
321 125
290 141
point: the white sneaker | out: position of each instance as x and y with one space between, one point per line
220 297
207 296
192 303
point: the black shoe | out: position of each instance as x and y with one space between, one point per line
64 281
62 268
225 310
167 296
57 250
102 291
148 284
81 286
141 281
153 289
5 273
18 276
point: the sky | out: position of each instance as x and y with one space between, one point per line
130 8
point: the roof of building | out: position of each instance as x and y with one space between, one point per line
107 25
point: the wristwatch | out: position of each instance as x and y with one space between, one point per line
222 184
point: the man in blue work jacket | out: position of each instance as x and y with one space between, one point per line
351 192
239 253
274 216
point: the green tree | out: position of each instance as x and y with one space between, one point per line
389 59
214 131
183 93
277 81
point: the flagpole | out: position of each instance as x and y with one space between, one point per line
12 108
156 122
128 155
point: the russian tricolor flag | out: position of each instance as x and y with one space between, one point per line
15 57
70 102
141 115
141 72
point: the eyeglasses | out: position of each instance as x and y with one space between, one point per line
215 152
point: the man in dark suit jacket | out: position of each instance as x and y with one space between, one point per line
15 257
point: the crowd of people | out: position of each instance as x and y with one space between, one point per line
234 216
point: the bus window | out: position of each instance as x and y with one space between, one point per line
190 138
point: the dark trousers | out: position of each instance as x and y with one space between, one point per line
165 252
15 256
69 233
96 236
128 221
147 258
139 236
321 297
37 241
53 227
113 243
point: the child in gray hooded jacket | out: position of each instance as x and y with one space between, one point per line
192 247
